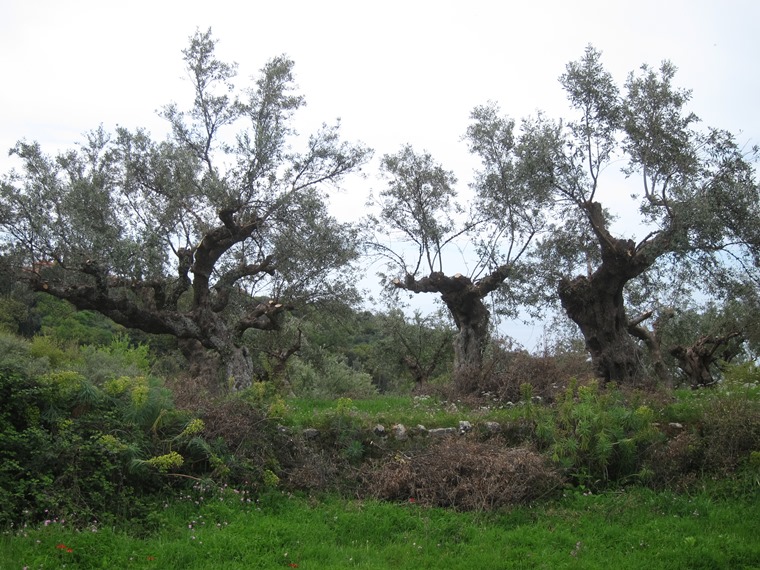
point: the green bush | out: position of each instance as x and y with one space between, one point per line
16 357
45 347
328 377
85 446
16 316
116 359
63 322
595 436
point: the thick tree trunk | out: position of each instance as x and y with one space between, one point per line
465 303
464 299
471 317
595 301
596 306
230 369
235 362
239 367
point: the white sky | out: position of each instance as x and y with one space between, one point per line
393 71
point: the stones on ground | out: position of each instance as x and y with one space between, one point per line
399 432
311 433
442 432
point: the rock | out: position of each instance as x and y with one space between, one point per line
441 432
379 430
492 427
399 432
675 425
420 430
311 433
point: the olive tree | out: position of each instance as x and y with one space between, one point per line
697 201
212 232
422 226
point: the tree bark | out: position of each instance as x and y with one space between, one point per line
596 306
595 301
652 340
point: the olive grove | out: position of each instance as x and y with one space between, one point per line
223 227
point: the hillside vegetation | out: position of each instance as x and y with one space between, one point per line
109 435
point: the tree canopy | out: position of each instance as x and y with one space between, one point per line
421 221
224 226
214 231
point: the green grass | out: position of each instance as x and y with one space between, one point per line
388 410
637 528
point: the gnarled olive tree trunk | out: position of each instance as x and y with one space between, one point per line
464 300
595 304
595 301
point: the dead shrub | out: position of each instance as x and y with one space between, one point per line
319 470
463 474
725 432
190 393
248 441
241 426
547 375
730 430
676 462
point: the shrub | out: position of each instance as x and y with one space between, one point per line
508 370
316 469
79 447
718 431
63 322
118 358
16 357
463 474
328 377
244 440
52 460
16 315
595 436
45 347
730 428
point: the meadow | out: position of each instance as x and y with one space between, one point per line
225 529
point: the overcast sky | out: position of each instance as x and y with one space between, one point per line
394 71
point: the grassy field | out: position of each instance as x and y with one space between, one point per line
635 528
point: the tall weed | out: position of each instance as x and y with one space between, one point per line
595 436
